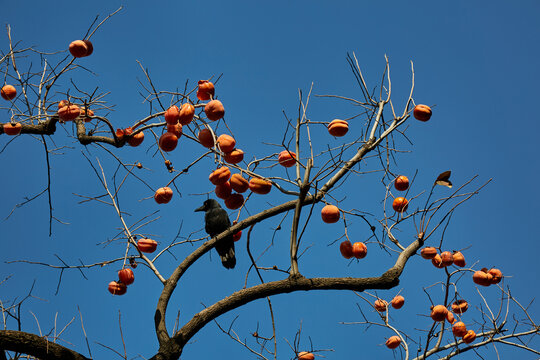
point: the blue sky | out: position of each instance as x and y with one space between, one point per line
475 63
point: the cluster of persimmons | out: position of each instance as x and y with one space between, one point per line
440 312
483 277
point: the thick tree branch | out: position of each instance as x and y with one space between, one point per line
172 348
44 128
37 346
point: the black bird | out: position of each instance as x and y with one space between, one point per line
217 221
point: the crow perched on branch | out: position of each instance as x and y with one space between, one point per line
217 221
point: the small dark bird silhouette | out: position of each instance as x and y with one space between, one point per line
217 221
444 179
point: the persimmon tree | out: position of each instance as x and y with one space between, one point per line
308 172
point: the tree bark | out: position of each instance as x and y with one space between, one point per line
37 346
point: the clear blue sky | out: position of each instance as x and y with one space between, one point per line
475 62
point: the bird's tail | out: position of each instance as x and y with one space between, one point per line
228 259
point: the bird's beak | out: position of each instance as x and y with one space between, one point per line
200 208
